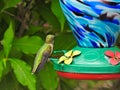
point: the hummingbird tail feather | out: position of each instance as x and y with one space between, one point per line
41 65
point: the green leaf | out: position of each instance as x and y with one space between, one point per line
1 64
58 12
1 5
7 40
23 73
1 69
4 66
9 82
28 45
48 77
65 41
15 53
45 11
33 29
68 84
1 54
10 3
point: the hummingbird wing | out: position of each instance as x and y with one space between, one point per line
45 55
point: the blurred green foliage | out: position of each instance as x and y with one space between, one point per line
24 25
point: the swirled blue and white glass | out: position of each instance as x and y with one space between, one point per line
94 23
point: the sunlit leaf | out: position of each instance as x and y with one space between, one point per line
28 45
58 12
48 77
23 73
7 40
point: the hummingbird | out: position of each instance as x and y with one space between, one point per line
43 54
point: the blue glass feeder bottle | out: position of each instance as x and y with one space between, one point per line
95 25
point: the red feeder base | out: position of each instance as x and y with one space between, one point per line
84 76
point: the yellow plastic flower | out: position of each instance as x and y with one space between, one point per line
68 57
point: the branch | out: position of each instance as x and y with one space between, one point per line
12 15
24 14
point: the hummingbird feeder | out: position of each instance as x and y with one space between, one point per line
95 25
